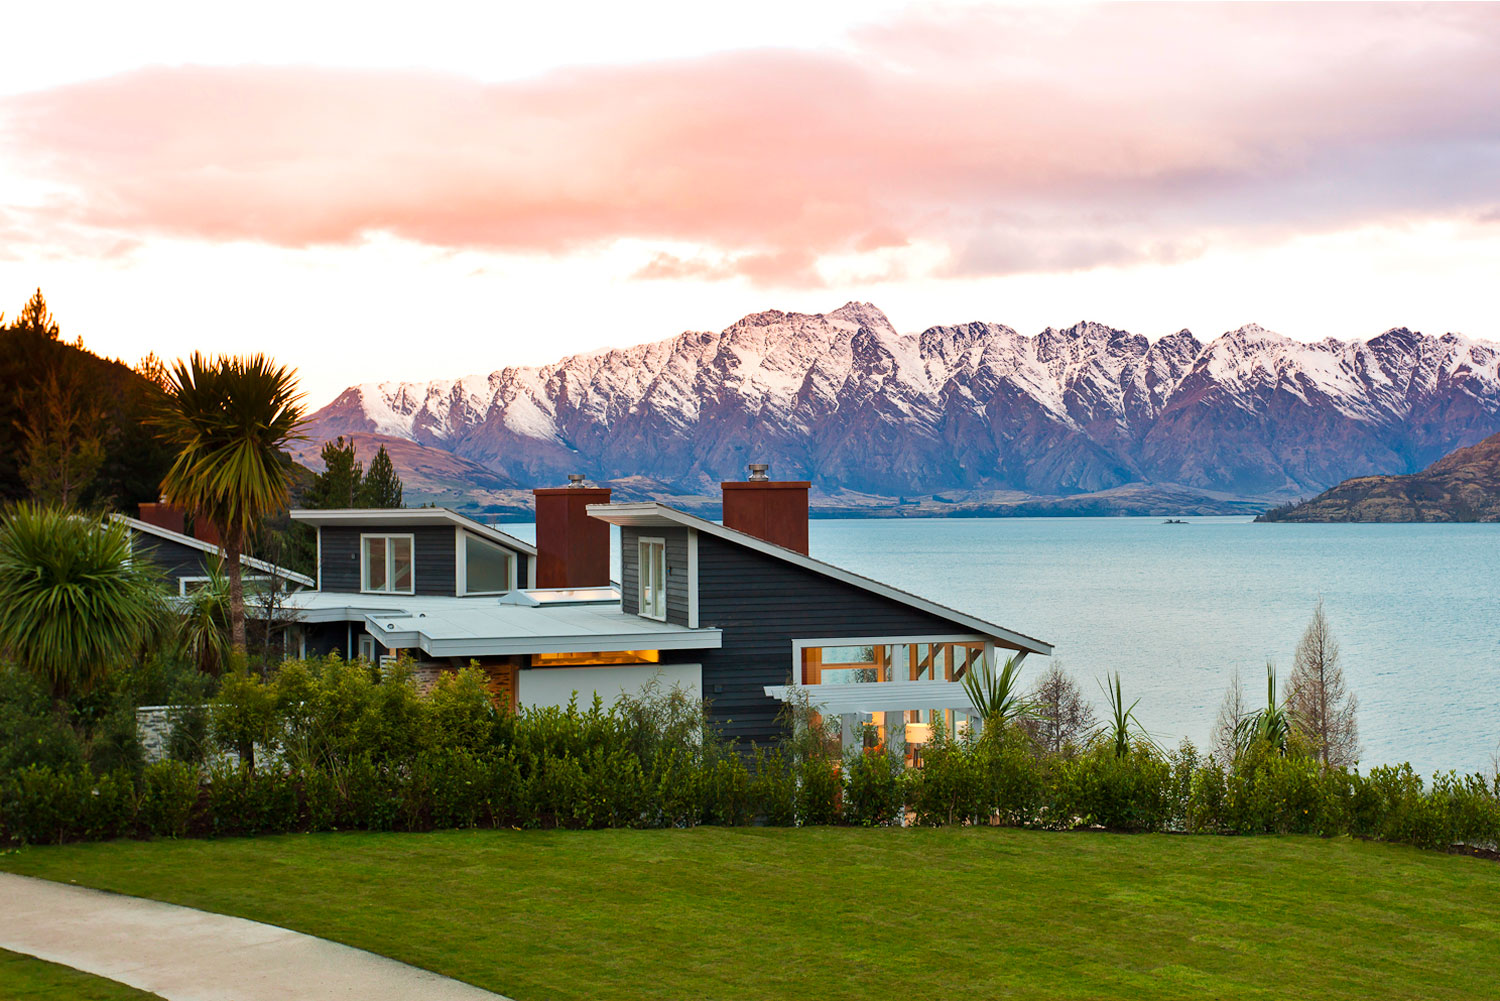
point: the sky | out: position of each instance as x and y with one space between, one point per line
369 194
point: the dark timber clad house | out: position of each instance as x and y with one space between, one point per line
186 560
738 612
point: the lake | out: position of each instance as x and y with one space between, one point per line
1176 609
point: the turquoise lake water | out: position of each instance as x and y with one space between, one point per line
1176 609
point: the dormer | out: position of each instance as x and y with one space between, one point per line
425 551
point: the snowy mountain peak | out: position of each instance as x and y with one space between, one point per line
845 400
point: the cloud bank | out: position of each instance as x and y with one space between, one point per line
1023 140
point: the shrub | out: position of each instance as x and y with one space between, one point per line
1129 792
39 805
240 800
169 796
774 788
32 730
1014 774
872 788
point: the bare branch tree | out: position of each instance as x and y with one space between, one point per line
1063 717
1225 738
1321 703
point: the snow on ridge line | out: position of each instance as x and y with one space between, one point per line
766 358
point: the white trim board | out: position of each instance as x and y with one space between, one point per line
187 540
651 514
880 696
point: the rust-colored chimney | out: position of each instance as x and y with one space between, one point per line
164 515
572 549
773 510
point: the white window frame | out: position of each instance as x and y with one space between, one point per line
800 645
390 562
657 609
461 561
367 642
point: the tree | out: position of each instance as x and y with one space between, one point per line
381 487
154 370
1275 725
1063 718
997 697
1321 704
1226 725
63 438
73 601
35 318
203 628
1122 731
338 485
229 419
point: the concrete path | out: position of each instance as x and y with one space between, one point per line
189 955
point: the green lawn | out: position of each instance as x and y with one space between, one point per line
839 913
23 978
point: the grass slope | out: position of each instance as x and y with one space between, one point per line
31 979
840 913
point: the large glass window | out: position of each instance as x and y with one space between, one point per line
385 564
653 583
488 568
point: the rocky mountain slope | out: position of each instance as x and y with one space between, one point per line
844 400
1463 486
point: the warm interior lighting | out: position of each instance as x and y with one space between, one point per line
918 733
596 657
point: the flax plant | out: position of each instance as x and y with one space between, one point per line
1273 725
230 418
1122 730
997 696
74 602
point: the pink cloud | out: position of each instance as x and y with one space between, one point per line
1022 140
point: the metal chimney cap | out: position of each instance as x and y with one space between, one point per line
576 480
758 471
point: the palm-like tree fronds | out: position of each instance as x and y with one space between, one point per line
73 601
1122 730
203 629
997 697
1273 724
230 418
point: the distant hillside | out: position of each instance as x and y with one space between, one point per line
844 400
1463 486
134 461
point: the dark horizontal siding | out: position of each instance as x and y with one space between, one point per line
173 558
677 570
762 604
433 556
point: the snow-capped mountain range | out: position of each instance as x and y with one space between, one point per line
844 400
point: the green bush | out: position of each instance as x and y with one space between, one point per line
169 798
873 796
1129 792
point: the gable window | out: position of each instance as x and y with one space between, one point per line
386 564
653 578
485 568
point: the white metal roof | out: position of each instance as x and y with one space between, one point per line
382 516
651 514
187 540
445 626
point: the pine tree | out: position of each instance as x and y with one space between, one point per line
338 485
1321 704
381 487
63 440
35 318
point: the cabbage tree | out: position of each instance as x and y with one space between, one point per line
74 602
230 419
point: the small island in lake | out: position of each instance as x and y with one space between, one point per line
1462 486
